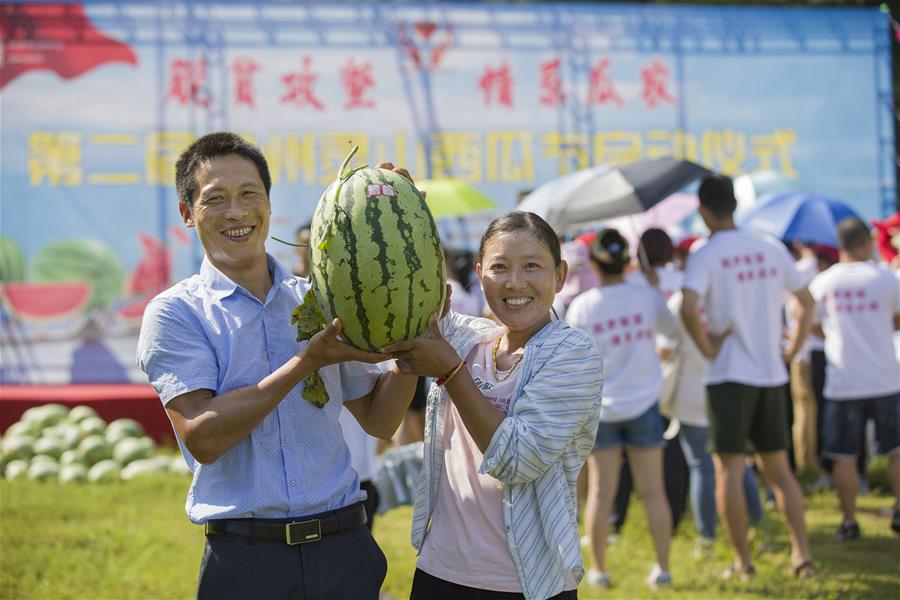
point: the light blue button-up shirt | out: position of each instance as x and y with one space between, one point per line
207 332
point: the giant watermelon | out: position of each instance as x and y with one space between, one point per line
377 262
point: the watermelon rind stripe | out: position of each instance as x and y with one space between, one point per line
322 217
356 284
374 221
409 254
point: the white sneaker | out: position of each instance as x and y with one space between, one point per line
659 578
585 541
598 578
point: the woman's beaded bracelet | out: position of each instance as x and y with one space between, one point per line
451 373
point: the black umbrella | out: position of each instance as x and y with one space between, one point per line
610 191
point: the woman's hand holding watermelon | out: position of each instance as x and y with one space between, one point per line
429 355
325 349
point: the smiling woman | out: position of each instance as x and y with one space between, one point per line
510 422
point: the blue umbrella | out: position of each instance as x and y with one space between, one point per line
799 216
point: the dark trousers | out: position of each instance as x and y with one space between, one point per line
675 473
339 566
429 587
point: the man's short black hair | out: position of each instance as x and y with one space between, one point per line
853 234
203 150
716 195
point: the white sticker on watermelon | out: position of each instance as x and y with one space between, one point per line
380 189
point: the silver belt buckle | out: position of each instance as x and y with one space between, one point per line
303 532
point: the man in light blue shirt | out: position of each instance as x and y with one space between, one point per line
272 477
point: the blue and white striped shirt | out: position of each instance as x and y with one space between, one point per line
536 452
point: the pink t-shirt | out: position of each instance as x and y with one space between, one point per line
467 541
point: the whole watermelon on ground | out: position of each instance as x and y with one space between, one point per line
81 412
123 428
377 262
49 446
103 471
86 261
17 447
92 426
23 428
72 472
16 469
43 471
45 415
130 449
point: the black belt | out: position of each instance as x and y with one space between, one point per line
308 529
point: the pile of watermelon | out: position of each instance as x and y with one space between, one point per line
53 443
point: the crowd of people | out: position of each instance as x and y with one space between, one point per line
665 363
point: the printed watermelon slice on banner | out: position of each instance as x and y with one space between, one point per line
44 301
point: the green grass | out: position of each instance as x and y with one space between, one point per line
132 540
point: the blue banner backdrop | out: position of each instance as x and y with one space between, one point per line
98 100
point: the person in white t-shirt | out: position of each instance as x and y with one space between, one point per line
684 399
803 395
623 319
858 309
660 251
741 278
510 420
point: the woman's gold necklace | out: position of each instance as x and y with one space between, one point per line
509 371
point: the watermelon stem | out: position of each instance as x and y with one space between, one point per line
341 178
346 162
289 243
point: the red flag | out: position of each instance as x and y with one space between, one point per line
54 36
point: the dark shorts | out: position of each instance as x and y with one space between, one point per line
845 423
740 413
644 431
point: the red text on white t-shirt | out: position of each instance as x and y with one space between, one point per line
749 267
625 329
850 301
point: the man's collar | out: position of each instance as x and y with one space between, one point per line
219 284
277 270
222 286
